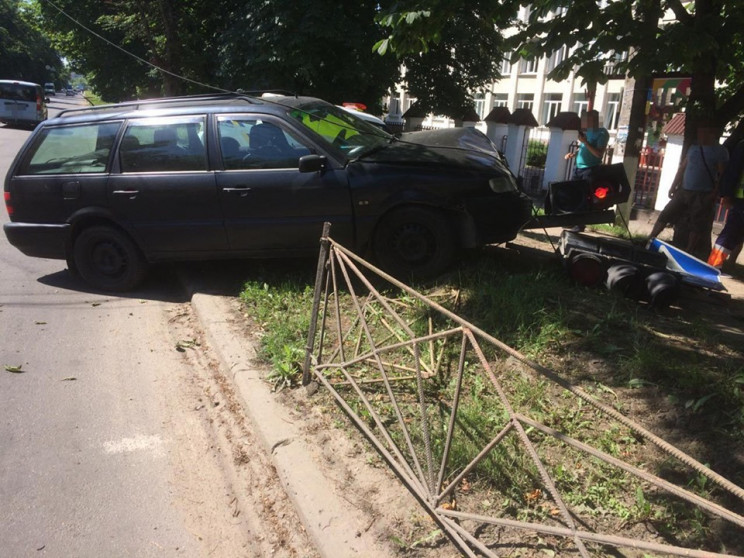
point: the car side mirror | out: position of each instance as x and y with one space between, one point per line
312 163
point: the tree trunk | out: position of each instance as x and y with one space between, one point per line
701 105
636 129
172 55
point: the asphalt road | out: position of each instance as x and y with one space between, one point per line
94 455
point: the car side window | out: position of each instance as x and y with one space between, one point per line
160 145
252 143
71 149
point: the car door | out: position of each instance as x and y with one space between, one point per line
270 207
163 190
63 172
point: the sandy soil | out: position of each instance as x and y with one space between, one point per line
223 482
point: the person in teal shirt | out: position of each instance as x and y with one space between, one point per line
592 144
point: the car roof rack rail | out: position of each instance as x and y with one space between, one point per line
142 104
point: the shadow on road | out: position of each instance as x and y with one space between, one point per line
162 284
228 277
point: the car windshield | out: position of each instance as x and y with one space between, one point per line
352 135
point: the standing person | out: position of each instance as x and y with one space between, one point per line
732 198
592 145
693 194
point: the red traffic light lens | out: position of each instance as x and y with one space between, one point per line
601 192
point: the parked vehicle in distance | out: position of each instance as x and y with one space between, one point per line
114 188
22 103
49 89
69 92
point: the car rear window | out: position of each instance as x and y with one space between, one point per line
71 149
158 145
18 92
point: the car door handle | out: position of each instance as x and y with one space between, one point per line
243 191
131 193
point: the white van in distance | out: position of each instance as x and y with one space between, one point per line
22 103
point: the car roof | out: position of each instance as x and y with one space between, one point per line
184 105
17 82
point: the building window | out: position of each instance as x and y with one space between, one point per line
525 101
528 66
551 106
480 105
500 100
556 58
505 68
612 112
580 104
610 67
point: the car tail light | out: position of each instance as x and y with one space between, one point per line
38 104
8 205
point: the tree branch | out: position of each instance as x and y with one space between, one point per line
682 15
733 106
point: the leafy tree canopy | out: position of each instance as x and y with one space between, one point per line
25 52
449 50
174 35
701 38
323 50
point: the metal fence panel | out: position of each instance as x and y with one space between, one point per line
412 376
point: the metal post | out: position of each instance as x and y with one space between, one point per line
319 275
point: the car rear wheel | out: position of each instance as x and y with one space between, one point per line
414 242
107 259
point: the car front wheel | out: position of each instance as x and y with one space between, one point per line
108 259
414 242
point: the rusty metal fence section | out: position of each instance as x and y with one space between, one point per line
647 179
443 403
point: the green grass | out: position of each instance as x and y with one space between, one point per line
92 98
617 349
282 309
541 314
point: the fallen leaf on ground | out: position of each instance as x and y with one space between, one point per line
186 344
14 369
68 379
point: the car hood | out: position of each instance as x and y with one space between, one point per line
451 147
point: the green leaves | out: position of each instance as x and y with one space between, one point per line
25 51
14 369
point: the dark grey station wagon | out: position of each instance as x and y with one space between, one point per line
111 189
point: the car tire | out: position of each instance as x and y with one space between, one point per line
414 242
108 259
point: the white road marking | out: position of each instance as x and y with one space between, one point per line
153 444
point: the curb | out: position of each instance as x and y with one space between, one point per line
335 527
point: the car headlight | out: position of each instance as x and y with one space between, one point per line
503 184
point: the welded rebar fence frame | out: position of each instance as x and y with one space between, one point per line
426 479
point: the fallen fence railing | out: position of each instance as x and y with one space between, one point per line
411 375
